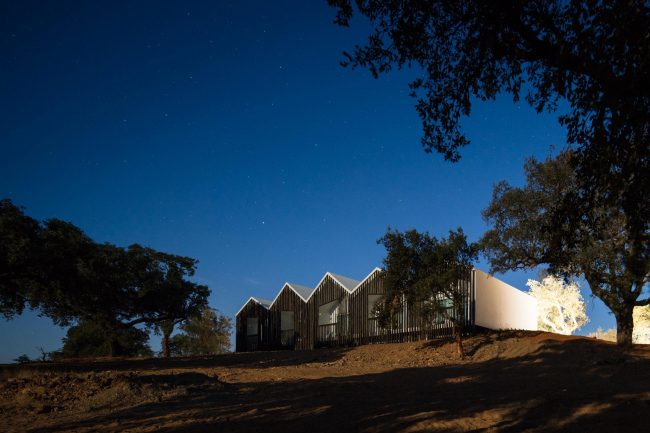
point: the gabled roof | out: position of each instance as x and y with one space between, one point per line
263 302
369 275
347 283
302 291
305 293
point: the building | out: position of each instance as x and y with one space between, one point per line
338 312
251 331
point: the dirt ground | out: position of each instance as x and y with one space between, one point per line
509 381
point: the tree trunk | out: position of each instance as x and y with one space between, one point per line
459 341
624 326
165 344
114 345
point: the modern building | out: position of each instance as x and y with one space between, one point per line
338 312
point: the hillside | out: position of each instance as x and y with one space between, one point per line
510 381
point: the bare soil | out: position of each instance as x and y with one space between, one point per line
509 381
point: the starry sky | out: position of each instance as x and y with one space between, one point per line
228 132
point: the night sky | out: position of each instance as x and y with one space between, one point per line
229 133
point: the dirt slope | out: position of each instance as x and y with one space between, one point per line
509 381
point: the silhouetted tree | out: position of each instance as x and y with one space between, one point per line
427 275
20 258
590 240
56 269
592 54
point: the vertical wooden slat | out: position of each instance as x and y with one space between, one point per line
354 326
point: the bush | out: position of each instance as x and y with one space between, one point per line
88 340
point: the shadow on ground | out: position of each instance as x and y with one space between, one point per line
551 389
250 360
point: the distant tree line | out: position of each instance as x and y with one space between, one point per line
104 290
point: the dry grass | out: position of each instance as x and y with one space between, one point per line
18 373
31 371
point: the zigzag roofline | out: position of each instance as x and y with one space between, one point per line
341 284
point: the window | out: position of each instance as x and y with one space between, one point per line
327 313
286 320
447 304
251 326
373 300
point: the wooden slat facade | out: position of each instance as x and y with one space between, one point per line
259 341
354 324
336 334
287 300
365 329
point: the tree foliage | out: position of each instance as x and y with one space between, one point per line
22 359
205 334
547 222
641 333
88 340
18 250
560 307
53 267
424 273
609 335
592 54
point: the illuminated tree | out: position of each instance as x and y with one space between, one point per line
641 334
560 307
609 335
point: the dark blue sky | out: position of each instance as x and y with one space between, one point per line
228 132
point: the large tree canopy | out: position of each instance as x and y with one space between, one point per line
593 54
592 241
425 273
56 269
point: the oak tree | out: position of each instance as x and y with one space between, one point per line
560 306
594 55
641 317
55 268
427 275
548 222
641 334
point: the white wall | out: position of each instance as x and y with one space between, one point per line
501 306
